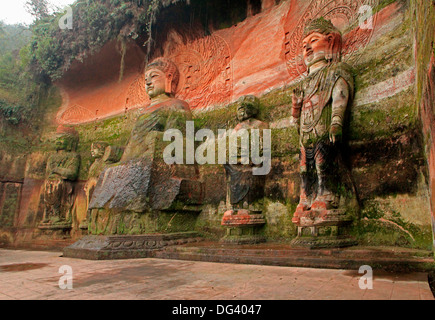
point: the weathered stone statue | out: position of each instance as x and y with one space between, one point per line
243 187
136 184
103 155
165 111
61 171
319 106
98 150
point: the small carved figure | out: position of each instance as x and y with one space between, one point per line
244 187
98 149
319 107
244 217
62 169
97 152
103 155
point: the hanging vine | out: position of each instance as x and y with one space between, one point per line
122 50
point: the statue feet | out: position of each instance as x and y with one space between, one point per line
326 226
324 204
302 207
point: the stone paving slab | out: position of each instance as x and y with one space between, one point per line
31 275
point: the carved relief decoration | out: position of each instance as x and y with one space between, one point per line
206 77
136 95
75 115
346 15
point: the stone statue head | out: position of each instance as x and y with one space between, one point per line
161 77
321 41
248 107
98 148
66 139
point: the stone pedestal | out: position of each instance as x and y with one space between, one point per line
55 226
242 227
55 230
84 226
125 246
323 230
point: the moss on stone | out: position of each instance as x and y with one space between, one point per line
378 233
130 223
115 131
221 118
389 55
279 226
25 138
382 226
388 118
285 142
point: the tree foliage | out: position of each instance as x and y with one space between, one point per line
52 49
31 58
18 90
38 8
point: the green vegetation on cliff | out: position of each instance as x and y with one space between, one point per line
53 49
15 86
22 95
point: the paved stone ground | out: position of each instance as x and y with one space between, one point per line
29 275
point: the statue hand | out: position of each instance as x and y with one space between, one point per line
297 97
335 133
297 100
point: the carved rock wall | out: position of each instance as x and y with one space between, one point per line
11 183
424 26
260 56
101 86
253 57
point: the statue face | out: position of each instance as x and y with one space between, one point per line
97 151
244 112
315 47
65 142
155 82
61 143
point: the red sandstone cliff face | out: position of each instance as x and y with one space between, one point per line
253 57
95 89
